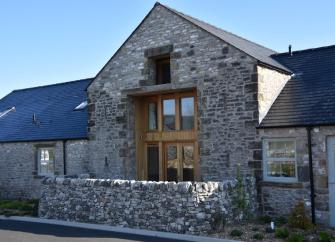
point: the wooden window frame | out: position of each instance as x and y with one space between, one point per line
145 137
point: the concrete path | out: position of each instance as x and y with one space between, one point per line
27 229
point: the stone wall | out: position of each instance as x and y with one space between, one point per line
183 207
270 84
18 166
77 157
226 82
279 198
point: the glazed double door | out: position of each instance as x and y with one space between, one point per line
171 161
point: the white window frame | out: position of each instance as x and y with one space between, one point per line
39 161
266 158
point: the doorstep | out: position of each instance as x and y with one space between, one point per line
109 228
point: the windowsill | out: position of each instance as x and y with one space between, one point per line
281 184
41 176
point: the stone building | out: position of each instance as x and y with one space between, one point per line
182 100
43 132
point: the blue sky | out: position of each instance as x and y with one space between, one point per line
44 42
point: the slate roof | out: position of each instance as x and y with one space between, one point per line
309 97
53 107
259 52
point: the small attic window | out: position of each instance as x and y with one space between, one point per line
163 74
81 106
4 113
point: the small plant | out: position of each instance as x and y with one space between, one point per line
18 207
324 236
236 233
258 236
299 219
280 221
295 238
281 233
265 219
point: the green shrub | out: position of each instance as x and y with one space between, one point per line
280 221
258 236
295 238
236 233
18 207
265 219
326 237
299 219
281 233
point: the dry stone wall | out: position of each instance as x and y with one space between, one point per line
184 207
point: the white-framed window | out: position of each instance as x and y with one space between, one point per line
46 162
279 160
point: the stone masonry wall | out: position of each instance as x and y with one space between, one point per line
18 166
183 207
270 84
279 198
77 157
226 82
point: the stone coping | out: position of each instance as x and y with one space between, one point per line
182 187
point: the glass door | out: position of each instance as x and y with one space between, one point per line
179 162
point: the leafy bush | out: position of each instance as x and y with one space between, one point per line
258 236
265 219
299 219
326 237
295 238
236 233
281 233
280 221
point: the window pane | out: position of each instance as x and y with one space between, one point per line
169 113
187 113
274 169
281 168
281 149
46 162
288 168
172 163
188 163
152 116
153 163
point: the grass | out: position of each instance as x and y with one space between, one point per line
18 207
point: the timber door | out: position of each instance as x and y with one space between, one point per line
167 130
331 178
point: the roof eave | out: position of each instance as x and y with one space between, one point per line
283 70
294 126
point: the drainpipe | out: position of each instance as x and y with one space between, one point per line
311 176
64 156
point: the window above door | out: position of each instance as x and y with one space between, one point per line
171 112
